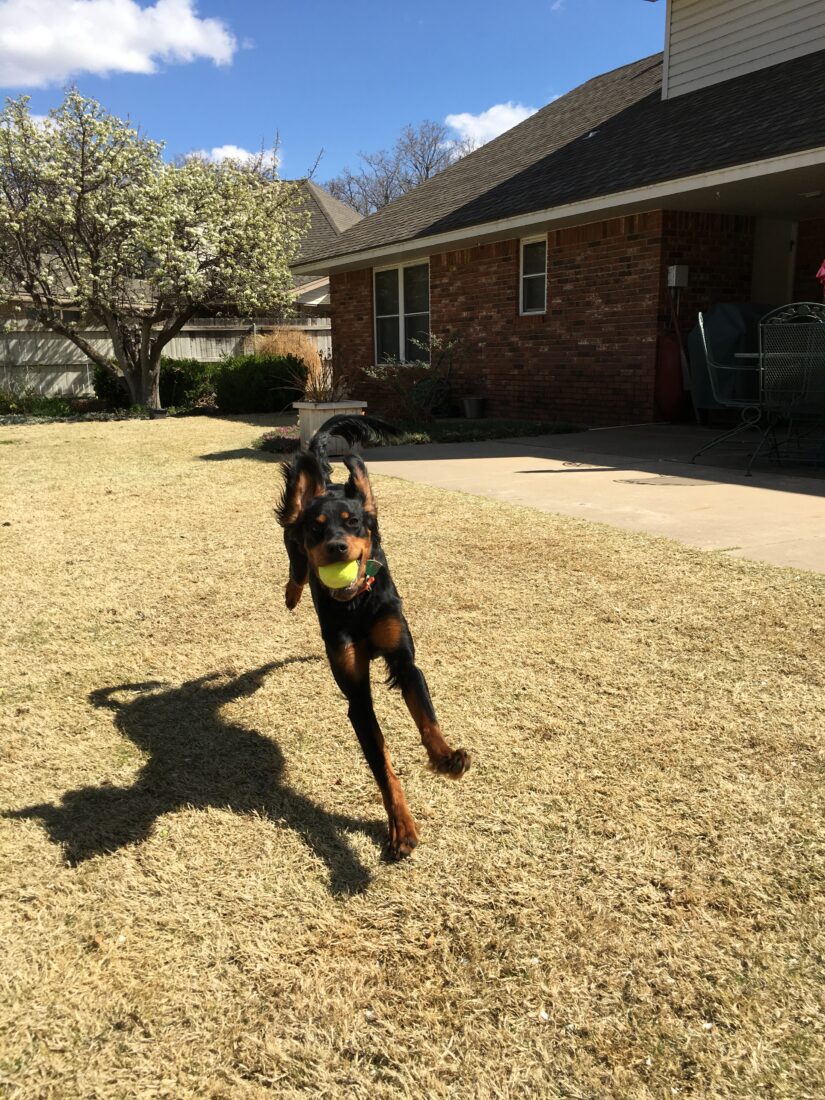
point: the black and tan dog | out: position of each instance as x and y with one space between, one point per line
326 524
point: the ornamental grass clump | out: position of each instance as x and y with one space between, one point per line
317 380
287 341
325 383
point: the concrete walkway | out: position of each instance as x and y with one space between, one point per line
639 479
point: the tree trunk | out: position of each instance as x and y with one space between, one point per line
143 386
134 389
149 366
137 356
152 350
134 358
143 382
152 385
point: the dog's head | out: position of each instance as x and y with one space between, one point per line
333 523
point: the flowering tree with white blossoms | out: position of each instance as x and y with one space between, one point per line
93 220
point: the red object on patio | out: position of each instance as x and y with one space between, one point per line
821 275
669 391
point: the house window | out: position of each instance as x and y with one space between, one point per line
533 295
402 312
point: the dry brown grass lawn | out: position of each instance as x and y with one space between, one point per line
623 898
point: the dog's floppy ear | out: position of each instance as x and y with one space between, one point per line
303 481
359 482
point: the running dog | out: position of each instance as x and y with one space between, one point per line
327 524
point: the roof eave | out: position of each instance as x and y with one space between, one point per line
651 196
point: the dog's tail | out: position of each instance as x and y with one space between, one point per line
353 429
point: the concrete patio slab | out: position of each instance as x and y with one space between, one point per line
634 478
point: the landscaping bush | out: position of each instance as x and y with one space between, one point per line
418 390
184 383
280 441
318 379
259 383
29 402
476 431
110 389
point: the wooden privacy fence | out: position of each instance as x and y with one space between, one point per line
31 358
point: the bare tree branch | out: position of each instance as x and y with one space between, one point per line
420 153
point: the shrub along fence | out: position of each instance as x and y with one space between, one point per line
42 362
241 384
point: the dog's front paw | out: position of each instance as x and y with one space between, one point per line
292 594
402 840
454 763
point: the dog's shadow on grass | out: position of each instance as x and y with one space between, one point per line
197 758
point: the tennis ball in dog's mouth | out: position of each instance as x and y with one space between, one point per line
340 575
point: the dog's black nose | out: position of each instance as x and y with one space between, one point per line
337 549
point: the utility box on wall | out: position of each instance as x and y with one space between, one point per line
677 275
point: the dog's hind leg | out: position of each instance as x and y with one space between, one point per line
350 666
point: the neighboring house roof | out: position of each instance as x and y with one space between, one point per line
612 134
329 218
311 290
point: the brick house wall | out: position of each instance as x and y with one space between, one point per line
718 250
810 252
352 323
591 359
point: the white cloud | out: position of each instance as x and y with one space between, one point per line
234 152
477 129
47 41
557 5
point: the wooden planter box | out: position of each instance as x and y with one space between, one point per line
312 414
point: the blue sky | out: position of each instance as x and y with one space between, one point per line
342 77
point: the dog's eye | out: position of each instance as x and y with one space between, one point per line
352 522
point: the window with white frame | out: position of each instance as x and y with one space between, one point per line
402 312
533 279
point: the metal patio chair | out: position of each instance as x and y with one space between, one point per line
734 386
792 373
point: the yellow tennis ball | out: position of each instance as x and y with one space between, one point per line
339 575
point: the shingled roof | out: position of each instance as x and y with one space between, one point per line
611 134
329 218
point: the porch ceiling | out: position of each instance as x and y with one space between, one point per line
798 194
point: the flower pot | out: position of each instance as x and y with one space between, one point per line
312 414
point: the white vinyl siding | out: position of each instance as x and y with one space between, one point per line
709 41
